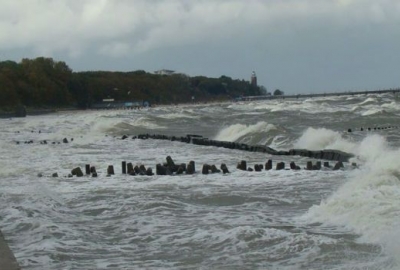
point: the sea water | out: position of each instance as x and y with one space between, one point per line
346 219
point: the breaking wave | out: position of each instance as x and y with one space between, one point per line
259 133
322 138
368 202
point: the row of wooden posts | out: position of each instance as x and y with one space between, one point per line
170 168
65 140
372 129
326 154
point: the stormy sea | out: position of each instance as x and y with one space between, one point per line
272 219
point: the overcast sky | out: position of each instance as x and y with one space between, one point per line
298 46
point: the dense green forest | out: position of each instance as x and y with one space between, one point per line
44 82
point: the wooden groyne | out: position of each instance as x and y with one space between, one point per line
325 154
7 258
172 168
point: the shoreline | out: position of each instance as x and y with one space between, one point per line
33 112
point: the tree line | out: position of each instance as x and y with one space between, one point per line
44 82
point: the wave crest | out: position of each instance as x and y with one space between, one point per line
241 132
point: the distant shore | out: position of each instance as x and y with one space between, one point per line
4 114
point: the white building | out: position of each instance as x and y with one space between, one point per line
164 72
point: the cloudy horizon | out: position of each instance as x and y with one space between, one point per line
298 46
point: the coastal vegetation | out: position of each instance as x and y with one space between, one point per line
278 92
44 82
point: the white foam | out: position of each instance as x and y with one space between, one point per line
373 111
178 115
391 106
369 100
368 202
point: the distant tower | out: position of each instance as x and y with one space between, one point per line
253 80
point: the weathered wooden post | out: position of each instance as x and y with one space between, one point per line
242 165
149 171
193 165
130 169
77 171
137 170
170 162
110 170
319 165
190 168
123 164
183 166
93 171
214 169
205 169
180 170
161 170
309 165
338 165
293 166
142 169
268 165
280 166
224 168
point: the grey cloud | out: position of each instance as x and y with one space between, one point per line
298 45
69 25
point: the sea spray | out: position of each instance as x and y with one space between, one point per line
368 203
322 138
